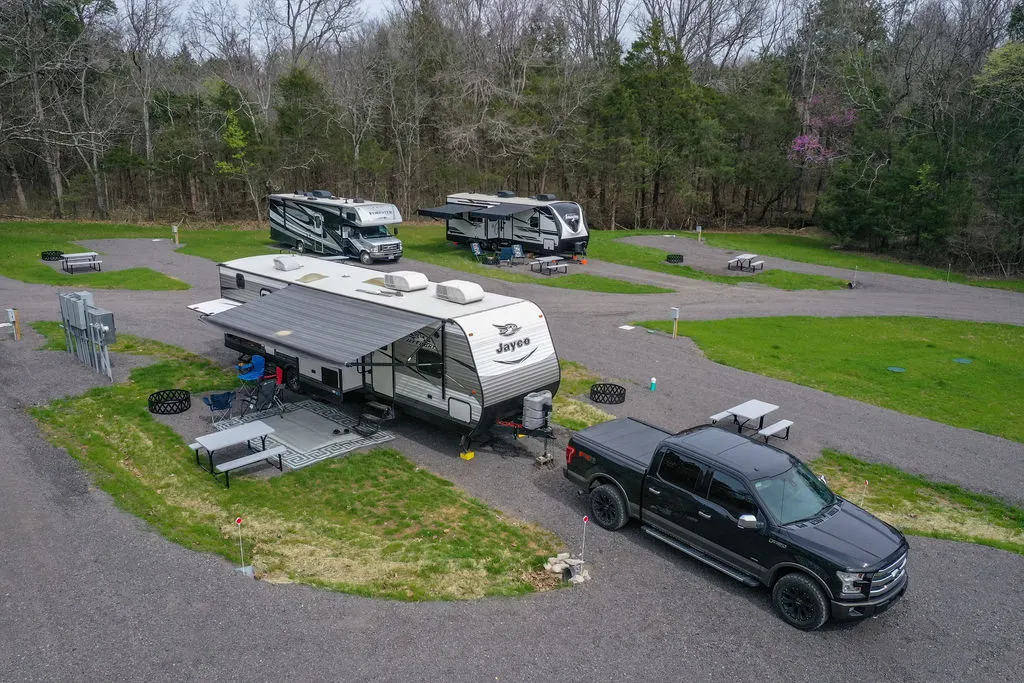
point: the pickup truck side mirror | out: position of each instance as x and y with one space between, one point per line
748 522
821 478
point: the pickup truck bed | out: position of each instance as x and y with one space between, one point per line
628 439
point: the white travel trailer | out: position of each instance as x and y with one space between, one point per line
321 223
446 350
541 224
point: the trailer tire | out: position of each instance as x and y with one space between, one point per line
365 258
300 247
291 379
608 508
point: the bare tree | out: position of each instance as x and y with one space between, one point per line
594 25
352 80
303 27
146 29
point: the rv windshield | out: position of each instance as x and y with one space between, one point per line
571 213
371 231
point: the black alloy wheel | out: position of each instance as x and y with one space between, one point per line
800 602
608 507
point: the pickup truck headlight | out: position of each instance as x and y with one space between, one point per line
853 583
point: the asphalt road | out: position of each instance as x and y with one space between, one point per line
91 593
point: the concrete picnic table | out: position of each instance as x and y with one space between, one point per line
243 433
751 410
742 262
84 258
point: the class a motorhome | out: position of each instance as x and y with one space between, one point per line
321 223
540 224
445 351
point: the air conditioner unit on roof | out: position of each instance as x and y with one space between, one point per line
460 291
406 281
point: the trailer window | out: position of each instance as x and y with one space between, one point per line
429 363
571 213
239 281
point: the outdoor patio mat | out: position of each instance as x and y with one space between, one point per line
311 431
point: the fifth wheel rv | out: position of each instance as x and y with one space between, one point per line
446 351
540 224
321 223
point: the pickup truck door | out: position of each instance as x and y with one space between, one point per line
669 503
747 549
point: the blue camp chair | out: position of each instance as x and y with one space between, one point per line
505 256
477 251
219 405
517 254
253 370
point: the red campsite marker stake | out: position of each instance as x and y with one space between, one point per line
586 518
241 553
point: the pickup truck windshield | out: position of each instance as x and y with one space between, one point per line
371 231
794 495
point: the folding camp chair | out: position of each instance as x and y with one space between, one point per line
517 254
477 251
505 256
253 370
219 405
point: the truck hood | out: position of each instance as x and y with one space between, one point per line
851 537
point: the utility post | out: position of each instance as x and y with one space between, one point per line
675 321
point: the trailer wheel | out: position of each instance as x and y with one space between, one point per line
608 507
291 378
300 247
364 258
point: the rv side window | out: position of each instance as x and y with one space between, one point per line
534 221
239 281
429 363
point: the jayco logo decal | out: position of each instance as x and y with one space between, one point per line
508 329
505 347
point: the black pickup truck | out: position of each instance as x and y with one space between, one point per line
746 508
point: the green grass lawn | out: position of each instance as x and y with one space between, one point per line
922 507
427 243
372 523
850 356
607 247
23 243
815 250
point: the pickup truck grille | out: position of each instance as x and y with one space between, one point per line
887 578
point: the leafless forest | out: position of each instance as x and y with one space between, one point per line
895 125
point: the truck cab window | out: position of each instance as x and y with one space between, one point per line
731 494
680 471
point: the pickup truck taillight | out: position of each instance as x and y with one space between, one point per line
569 453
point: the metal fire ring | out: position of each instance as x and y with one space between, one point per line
52 255
169 402
607 393
674 258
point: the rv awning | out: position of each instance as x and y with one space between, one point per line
500 211
446 211
322 324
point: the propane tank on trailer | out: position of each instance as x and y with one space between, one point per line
536 408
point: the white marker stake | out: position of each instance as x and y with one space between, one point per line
241 553
584 548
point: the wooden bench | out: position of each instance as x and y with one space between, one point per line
775 428
225 468
755 265
716 418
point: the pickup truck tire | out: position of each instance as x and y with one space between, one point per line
800 602
608 507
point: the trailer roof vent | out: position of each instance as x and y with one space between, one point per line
459 291
286 262
505 194
322 194
358 200
546 197
405 281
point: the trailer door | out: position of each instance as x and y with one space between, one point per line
382 377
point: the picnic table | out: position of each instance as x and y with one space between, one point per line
243 433
749 411
549 264
741 262
86 258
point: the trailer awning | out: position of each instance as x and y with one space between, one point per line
321 324
500 211
446 211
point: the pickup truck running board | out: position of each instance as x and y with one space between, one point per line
702 556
